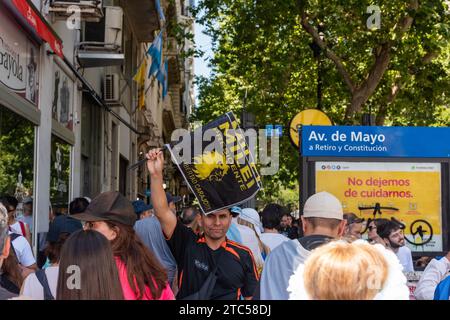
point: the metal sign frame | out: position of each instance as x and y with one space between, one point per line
307 185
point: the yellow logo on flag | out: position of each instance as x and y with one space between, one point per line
210 166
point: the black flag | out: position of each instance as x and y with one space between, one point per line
224 176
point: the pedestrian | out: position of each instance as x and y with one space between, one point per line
20 245
271 221
42 284
191 217
142 209
250 218
249 238
11 277
172 200
27 217
149 231
284 224
233 232
15 226
296 223
392 235
5 245
78 205
342 270
65 222
141 274
436 272
88 254
209 266
322 221
354 226
293 231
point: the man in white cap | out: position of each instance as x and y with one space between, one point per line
322 221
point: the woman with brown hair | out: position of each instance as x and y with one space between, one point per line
141 275
11 277
87 269
134 260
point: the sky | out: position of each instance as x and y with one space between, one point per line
202 42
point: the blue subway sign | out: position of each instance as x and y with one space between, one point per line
360 141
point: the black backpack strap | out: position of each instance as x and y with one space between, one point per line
42 277
14 236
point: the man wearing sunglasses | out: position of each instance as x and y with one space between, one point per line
354 226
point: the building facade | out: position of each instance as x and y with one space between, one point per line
70 118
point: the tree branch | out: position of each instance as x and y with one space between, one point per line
382 112
398 85
381 64
328 52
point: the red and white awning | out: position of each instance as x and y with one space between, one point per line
36 22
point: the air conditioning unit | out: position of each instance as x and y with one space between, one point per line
113 26
111 88
88 10
102 41
106 34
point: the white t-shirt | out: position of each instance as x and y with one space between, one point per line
32 288
273 240
405 257
23 251
15 228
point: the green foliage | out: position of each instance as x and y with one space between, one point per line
261 47
16 152
59 184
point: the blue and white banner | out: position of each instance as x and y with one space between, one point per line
155 52
360 141
160 11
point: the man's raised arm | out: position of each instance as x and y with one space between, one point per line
155 165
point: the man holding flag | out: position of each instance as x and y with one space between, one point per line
210 267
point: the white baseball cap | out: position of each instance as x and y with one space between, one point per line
252 216
323 205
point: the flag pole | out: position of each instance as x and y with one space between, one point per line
141 162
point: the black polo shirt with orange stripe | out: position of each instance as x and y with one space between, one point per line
236 273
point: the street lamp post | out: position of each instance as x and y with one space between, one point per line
317 55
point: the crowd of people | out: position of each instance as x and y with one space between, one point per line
110 248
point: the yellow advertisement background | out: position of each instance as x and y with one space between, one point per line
424 186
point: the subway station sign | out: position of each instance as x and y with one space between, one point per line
361 141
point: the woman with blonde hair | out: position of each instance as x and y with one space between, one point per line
342 270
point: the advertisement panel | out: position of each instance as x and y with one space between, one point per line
409 192
19 60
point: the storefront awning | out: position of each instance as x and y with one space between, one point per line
27 13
